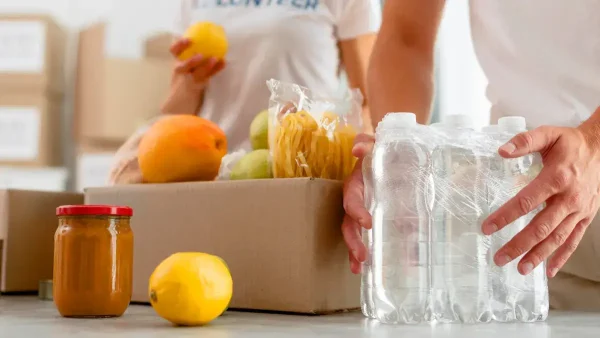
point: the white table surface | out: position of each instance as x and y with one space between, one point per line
30 317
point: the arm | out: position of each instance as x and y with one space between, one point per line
400 74
189 81
183 97
355 54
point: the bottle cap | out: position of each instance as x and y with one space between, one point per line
512 124
397 120
97 210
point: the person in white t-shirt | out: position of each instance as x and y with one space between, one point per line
305 42
542 60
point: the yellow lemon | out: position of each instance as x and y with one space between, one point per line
190 288
207 39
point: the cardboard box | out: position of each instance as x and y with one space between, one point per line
40 179
30 129
27 225
158 46
94 163
281 238
116 96
32 53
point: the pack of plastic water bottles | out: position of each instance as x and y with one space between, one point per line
428 189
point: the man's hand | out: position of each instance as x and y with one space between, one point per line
357 216
569 184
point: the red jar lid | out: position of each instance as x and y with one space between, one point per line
98 210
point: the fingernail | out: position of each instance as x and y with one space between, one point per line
491 228
503 260
355 254
553 272
509 148
527 267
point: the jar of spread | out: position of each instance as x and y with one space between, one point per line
93 261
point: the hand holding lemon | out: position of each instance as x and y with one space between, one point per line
201 55
201 51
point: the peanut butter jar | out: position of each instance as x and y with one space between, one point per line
93 261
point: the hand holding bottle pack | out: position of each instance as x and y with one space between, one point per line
429 189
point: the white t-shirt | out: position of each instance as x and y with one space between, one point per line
541 57
289 40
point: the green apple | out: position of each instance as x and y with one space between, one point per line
259 131
254 165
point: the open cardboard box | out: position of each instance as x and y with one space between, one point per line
281 238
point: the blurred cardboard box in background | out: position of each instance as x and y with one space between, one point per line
115 96
32 53
158 46
30 129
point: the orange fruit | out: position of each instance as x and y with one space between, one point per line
207 39
181 148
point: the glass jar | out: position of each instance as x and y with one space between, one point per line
93 261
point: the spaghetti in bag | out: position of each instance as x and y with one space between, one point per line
310 135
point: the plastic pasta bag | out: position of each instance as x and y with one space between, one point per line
311 135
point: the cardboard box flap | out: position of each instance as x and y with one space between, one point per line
29 236
280 238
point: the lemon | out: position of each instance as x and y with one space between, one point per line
190 288
207 39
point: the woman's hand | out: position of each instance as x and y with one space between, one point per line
190 78
357 216
569 184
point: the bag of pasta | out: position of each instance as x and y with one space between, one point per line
312 135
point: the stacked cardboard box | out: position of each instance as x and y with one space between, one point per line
32 84
114 97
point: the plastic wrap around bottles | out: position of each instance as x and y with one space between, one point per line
428 189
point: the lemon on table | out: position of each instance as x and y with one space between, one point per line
207 39
190 288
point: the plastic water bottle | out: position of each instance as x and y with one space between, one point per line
403 197
459 249
515 297
491 130
366 286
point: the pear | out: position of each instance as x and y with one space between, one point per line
259 131
254 165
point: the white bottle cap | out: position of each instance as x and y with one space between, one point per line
397 120
459 121
492 128
514 124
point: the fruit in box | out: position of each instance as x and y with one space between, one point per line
259 131
254 165
181 148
